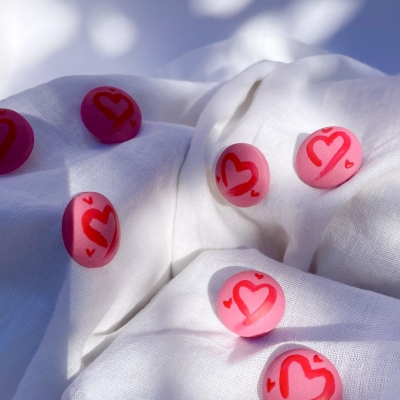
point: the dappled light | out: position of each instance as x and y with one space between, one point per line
41 28
111 33
209 190
308 21
218 8
44 39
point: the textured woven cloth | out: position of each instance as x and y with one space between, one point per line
71 332
177 348
56 316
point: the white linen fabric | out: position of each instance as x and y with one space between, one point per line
361 244
56 316
274 110
224 60
62 323
177 348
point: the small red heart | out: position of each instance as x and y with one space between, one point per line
228 303
218 178
326 130
270 385
90 252
133 124
254 194
90 201
259 276
317 359
348 164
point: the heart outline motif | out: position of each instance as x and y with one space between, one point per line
263 309
328 140
94 235
110 114
329 388
10 138
240 166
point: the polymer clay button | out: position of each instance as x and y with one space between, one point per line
91 230
111 114
328 157
16 140
242 175
251 303
302 374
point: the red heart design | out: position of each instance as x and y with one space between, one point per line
11 135
218 178
254 194
259 276
270 385
265 307
240 166
115 98
348 164
90 201
90 252
329 388
94 235
228 303
328 141
317 359
328 129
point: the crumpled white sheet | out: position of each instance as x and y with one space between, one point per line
67 329
56 316
177 348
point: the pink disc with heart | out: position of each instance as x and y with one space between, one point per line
91 230
329 157
251 303
111 114
301 374
16 140
242 175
